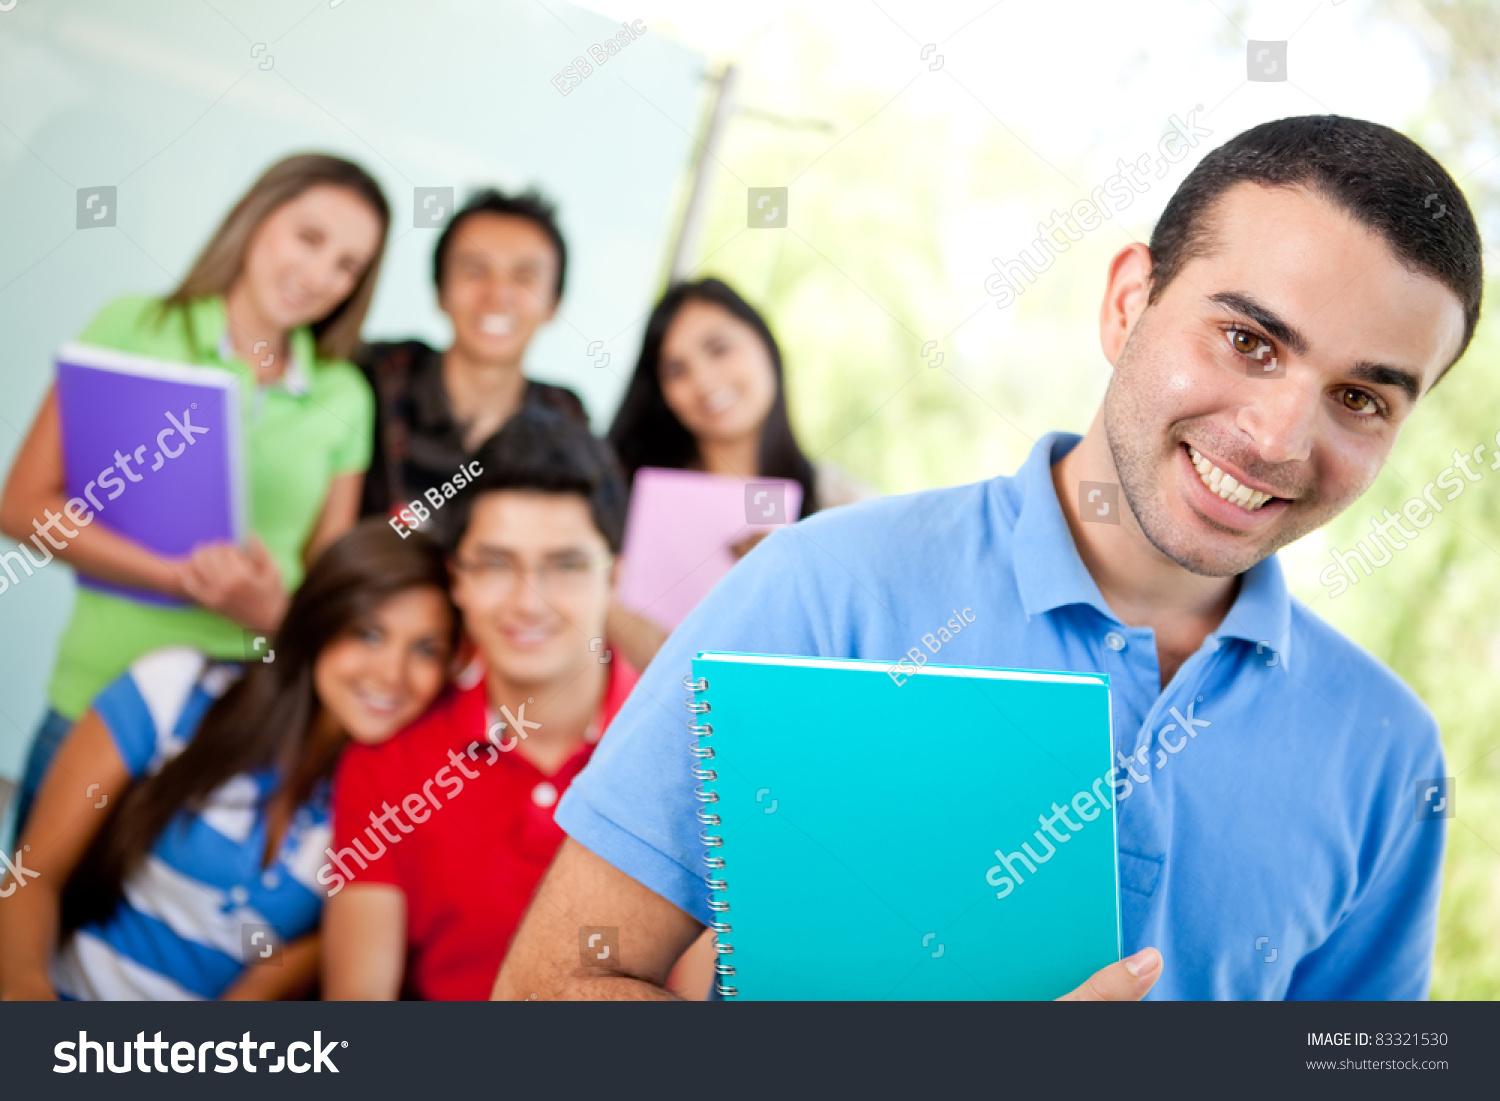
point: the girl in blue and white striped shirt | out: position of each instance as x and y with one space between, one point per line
176 837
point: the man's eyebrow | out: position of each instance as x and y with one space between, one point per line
495 550
1264 317
1378 374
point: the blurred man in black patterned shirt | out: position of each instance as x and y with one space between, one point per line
499 267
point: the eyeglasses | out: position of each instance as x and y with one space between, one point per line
563 573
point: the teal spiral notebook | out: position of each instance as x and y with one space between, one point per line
873 834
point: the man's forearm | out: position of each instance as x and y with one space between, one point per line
589 988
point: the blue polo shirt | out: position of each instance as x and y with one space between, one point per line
1267 799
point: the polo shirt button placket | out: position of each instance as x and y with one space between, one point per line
544 794
1115 641
238 897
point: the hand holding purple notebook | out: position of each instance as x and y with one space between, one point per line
681 527
153 449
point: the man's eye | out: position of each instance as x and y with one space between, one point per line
1358 401
1247 344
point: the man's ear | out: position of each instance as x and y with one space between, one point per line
1125 293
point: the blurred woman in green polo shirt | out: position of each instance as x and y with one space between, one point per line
277 296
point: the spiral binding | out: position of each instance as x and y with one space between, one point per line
705 775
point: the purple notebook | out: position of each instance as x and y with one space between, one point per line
679 531
153 449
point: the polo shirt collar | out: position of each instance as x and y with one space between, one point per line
475 704
1050 574
211 319
1262 614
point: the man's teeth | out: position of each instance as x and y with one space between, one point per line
1225 485
496 324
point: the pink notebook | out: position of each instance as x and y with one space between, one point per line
680 528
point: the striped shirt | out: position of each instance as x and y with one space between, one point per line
200 906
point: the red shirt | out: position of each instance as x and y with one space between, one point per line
467 835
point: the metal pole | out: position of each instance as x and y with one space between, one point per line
690 229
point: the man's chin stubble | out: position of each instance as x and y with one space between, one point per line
1223 566
1173 549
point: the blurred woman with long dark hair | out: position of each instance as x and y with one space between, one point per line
708 394
195 855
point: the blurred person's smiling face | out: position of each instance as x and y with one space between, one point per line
532 577
381 674
1262 391
499 285
306 256
716 374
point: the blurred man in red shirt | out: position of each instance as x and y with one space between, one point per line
442 833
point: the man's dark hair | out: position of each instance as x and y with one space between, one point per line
531 205
1382 178
545 452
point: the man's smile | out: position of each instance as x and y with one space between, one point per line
1228 500
1225 484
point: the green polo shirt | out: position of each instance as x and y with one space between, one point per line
298 432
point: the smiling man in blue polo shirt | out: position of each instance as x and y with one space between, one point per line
1298 297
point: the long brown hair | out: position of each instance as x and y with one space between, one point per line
646 432
223 258
267 718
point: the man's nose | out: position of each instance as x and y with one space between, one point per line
503 288
526 593
1280 415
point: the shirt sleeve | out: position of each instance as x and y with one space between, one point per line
352 454
129 722
633 804
1382 950
119 323
151 710
376 496
357 788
